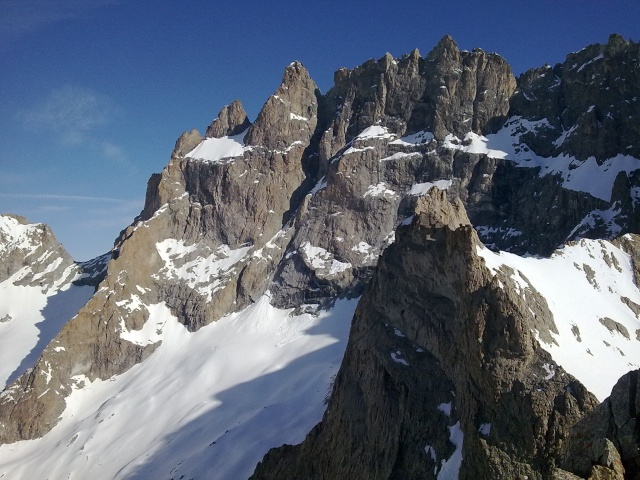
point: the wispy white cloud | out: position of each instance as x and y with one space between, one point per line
19 18
50 196
72 113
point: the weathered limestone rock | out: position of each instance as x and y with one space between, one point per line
438 347
606 442
588 99
290 115
186 142
231 120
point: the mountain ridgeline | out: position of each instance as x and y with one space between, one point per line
398 186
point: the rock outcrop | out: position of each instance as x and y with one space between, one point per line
232 120
606 442
442 372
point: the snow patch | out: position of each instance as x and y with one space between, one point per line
419 189
473 143
450 468
201 270
414 139
322 260
375 131
485 429
445 408
379 190
577 175
219 149
397 357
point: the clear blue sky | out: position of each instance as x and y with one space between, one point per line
93 94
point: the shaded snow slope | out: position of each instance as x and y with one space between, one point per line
207 404
37 296
585 285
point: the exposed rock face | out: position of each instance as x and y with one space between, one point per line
231 120
31 257
196 249
304 206
607 440
31 254
591 102
23 244
442 369
290 115
186 142
448 92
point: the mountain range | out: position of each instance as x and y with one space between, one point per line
429 271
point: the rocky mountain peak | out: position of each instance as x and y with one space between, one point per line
435 316
290 114
446 50
186 142
434 210
231 120
461 358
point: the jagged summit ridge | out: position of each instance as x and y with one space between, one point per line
231 121
283 219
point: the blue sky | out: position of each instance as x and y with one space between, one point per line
93 94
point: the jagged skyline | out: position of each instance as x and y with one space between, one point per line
94 96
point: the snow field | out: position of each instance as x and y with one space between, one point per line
207 404
582 284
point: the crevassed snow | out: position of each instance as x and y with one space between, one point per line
582 284
218 149
422 188
207 404
583 176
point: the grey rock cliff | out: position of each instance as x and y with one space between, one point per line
220 210
591 102
290 115
231 120
438 347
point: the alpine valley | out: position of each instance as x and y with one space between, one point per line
430 271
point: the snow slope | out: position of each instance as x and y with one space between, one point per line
33 317
37 299
207 404
219 149
584 285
